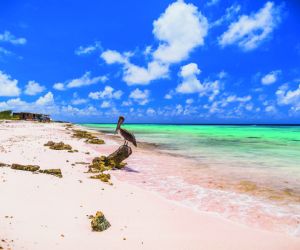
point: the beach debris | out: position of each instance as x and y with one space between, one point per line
95 141
90 138
31 168
102 177
120 155
247 186
55 171
81 134
99 222
59 146
4 165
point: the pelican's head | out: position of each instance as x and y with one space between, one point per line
121 120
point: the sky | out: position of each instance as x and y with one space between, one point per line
155 61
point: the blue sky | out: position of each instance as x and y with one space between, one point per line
212 61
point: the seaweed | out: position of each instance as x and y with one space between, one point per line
56 172
31 168
58 146
102 177
95 141
99 222
90 138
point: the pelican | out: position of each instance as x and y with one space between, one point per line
128 137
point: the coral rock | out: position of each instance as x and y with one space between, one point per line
99 222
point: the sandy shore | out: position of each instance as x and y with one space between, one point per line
40 211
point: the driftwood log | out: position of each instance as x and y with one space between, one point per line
122 153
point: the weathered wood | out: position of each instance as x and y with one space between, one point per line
122 153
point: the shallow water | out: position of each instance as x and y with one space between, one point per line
249 173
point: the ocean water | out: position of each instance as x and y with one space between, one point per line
249 173
274 147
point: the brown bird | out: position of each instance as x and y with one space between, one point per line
128 137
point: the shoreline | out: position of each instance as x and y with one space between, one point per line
248 200
43 207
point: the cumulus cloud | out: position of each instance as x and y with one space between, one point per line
105 104
270 78
84 80
286 96
180 29
190 83
134 74
33 88
8 86
10 38
248 32
107 93
140 96
86 50
47 99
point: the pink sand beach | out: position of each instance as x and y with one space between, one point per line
40 211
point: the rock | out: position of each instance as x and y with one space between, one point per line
31 168
99 222
56 172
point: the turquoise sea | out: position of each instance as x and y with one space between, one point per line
274 147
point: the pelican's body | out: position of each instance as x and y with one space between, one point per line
128 137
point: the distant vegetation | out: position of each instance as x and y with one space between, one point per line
8 115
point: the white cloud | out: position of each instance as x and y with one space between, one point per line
45 100
180 29
113 56
106 104
285 96
33 88
134 74
4 51
84 80
59 86
270 109
249 31
8 86
141 97
10 38
107 93
168 96
231 13
127 103
270 78
189 101
212 2
88 49
234 98
190 83
150 112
